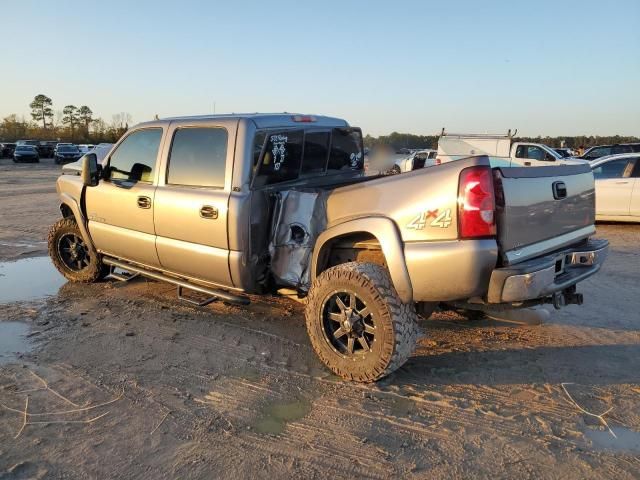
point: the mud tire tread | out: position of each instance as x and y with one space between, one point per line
96 269
399 318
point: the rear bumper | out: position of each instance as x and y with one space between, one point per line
450 270
543 276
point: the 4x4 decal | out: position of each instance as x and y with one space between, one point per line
440 219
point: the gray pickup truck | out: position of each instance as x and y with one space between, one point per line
231 205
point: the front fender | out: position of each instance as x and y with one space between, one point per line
390 241
72 204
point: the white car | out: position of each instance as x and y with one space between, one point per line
415 161
617 187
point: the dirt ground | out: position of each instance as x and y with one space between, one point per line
121 380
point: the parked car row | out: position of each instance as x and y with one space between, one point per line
594 153
34 150
617 175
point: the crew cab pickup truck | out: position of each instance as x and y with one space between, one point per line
501 150
230 205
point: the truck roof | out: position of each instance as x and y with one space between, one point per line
265 120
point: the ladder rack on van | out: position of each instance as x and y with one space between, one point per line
479 135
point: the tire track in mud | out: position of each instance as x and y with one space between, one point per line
240 398
311 439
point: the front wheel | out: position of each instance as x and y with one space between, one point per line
73 258
357 324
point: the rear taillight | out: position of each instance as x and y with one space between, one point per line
438 161
476 203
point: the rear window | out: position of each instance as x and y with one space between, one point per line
346 151
316 151
281 158
288 154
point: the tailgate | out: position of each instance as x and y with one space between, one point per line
541 209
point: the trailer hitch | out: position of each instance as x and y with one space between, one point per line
568 296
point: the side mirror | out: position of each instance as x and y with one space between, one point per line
89 170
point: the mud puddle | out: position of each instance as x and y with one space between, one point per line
276 416
13 340
626 440
28 279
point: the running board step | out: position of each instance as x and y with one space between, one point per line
217 294
192 301
121 277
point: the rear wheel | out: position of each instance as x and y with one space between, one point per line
357 324
73 258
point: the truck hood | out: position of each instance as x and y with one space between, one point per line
573 161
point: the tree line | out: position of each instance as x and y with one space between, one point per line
78 125
407 140
71 124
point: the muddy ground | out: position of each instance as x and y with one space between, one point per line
124 381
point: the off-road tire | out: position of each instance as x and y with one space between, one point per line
93 272
397 321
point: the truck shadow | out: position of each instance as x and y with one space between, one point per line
590 364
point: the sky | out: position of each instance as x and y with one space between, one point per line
543 67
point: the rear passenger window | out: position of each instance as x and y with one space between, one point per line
598 152
198 157
135 158
281 159
316 151
622 149
346 151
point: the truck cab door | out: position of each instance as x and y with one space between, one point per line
120 208
192 200
532 156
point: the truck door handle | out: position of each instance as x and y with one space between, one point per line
527 164
622 183
144 202
207 211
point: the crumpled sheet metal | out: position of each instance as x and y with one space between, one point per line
299 218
